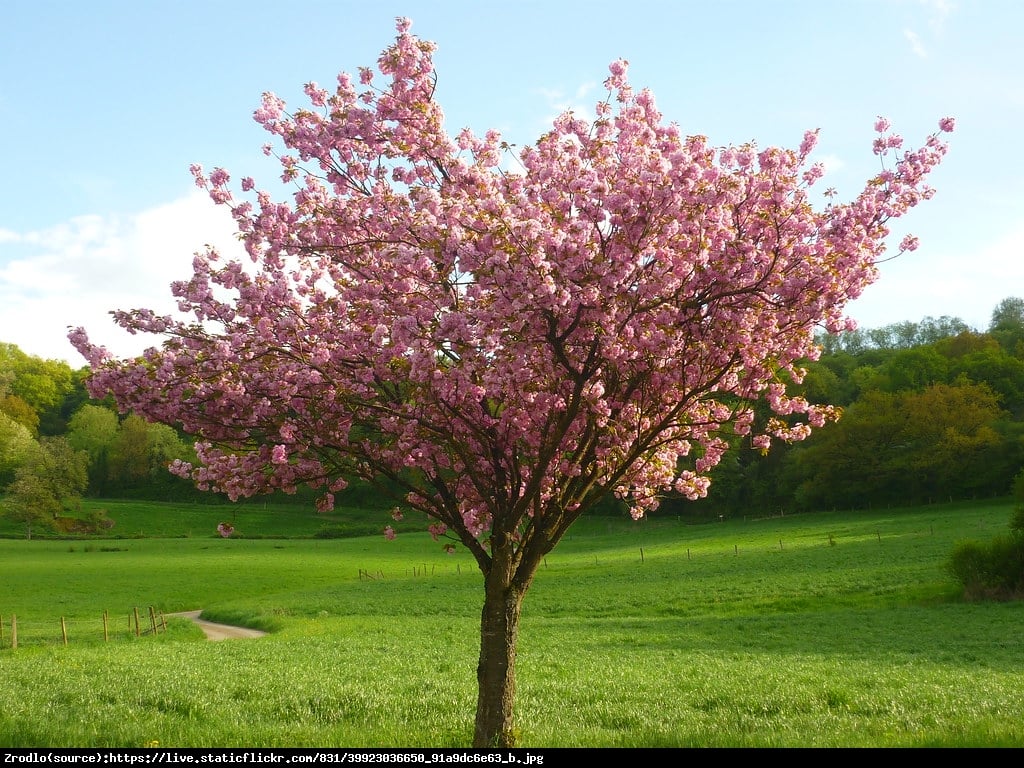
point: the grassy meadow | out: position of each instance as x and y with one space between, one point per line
826 630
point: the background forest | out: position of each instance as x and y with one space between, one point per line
932 411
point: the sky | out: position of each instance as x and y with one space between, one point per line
104 105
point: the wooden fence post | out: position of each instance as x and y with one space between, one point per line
136 610
152 618
106 635
64 630
14 631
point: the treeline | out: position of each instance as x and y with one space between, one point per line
57 445
932 411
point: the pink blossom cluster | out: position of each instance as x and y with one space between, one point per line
505 347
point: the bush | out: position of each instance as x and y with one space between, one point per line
993 571
1017 490
94 522
1017 521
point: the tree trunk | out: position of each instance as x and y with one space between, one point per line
496 671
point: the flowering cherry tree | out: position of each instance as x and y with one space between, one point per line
504 340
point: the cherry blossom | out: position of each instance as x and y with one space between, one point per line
505 344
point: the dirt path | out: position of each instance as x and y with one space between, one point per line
219 631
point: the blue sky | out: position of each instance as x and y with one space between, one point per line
103 106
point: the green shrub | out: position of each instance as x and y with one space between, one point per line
1017 520
1017 491
993 570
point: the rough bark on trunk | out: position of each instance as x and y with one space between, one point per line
496 670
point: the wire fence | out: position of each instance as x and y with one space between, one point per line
64 630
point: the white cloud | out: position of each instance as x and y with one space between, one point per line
832 163
915 43
75 273
558 103
935 13
923 284
938 12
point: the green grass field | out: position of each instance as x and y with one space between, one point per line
815 630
